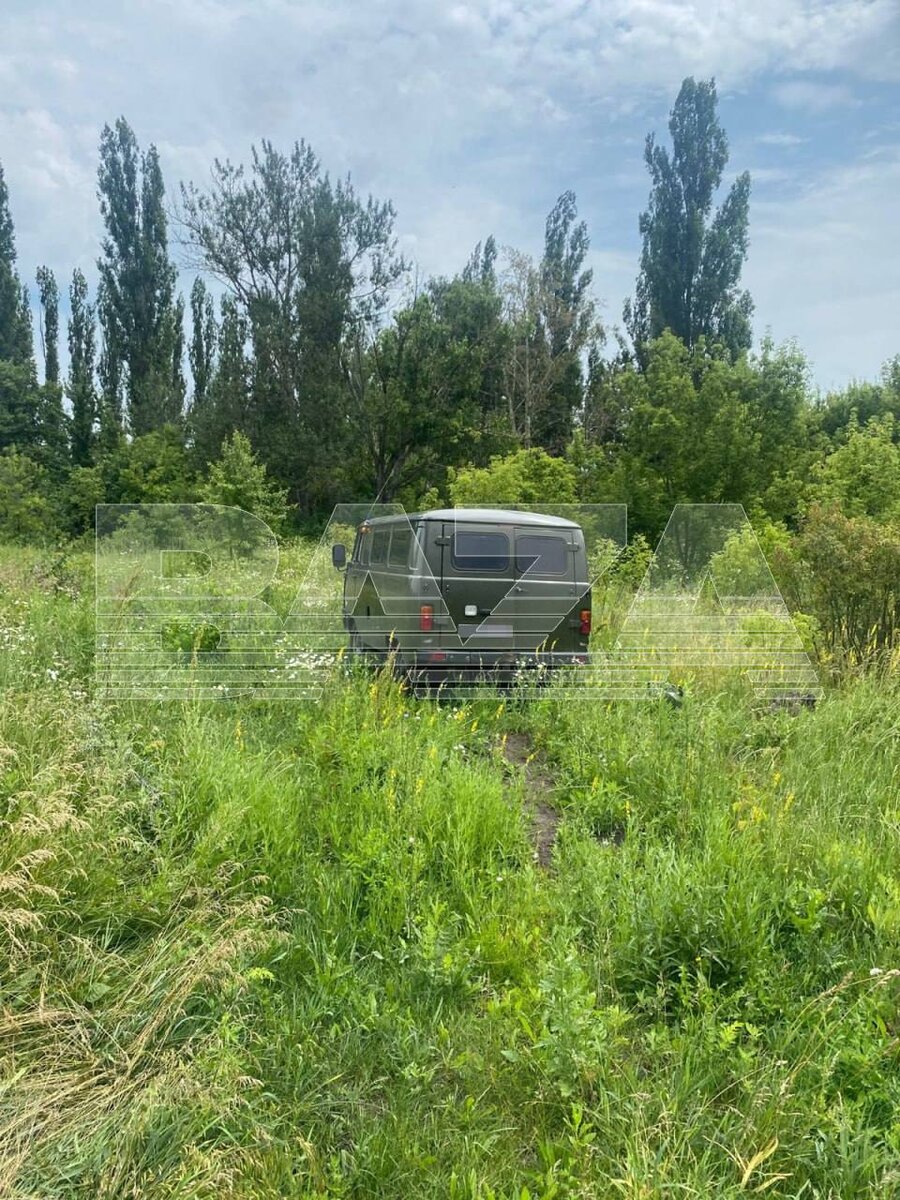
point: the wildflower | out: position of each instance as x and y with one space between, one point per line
876 971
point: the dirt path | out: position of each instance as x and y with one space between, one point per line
539 786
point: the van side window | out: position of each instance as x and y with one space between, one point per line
363 544
476 550
400 544
380 539
541 555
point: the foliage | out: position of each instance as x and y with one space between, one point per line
150 469
306 261
691 264
862 476
525 477
49 325
425 396
140 315
25 512
239 480
15 320
80 385
551 318
849 580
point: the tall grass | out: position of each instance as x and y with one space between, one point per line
261 950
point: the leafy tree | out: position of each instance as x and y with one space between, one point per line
860 402
568 320
203 340
849 568
240 480
551 320
426 394
53 421
49 323
140 318
110 370
150 469
481 265
689 433
25 512
86 487
20 405
223 406
862 477
307 261
691 261
15 319
525 477
80 383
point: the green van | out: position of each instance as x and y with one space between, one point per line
462 592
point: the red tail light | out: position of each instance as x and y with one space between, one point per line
585 617
426 618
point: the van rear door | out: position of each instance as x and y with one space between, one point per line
545 591
477 573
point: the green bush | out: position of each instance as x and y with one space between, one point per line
239 480
526 477
26 514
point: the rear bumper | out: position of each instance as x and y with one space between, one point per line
455 666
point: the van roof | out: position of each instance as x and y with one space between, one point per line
487 516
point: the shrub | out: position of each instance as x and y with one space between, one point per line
25 513
239 480
849 579
526 477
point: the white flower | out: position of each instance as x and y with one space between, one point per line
876 971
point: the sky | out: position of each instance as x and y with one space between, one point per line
473 117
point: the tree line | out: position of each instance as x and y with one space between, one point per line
311 362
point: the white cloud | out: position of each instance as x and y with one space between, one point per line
814 96
824 267
780 139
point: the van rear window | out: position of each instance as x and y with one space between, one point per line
474 550
541 555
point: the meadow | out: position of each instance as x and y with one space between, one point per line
259 949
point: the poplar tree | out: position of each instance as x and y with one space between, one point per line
691 259
15 320
140 317
80 384
20 418
203 340
48 293
53 422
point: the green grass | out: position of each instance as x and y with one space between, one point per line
303 950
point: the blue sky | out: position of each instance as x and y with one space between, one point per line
473 117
